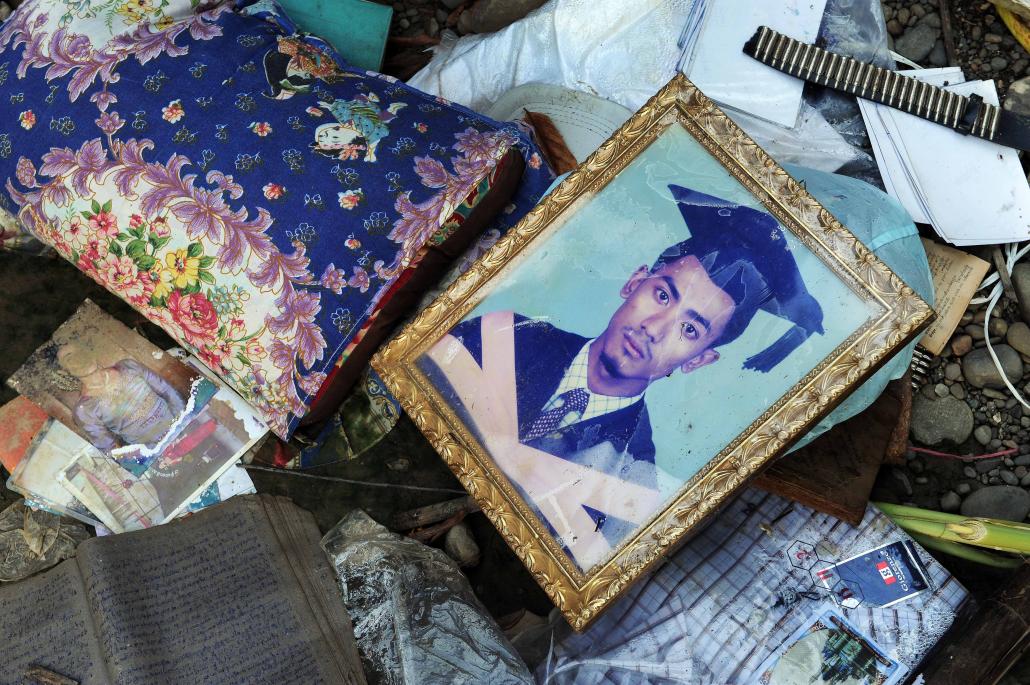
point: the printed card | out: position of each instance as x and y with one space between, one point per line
878 578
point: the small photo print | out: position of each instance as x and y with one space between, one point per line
828 650
161 429
36 476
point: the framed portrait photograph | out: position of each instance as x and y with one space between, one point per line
671 317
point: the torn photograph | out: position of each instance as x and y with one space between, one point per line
159 424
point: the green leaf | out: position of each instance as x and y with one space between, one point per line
206 262
206 277
137 248
107 206
160 242
96 207
75 256
190 289
145 262
122 237
139 232
86 215
157 301
115 249
195 250
221 331
243 360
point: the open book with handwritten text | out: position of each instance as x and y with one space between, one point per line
238 593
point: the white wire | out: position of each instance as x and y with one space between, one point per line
1011 257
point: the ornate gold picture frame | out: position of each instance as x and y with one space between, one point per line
743 313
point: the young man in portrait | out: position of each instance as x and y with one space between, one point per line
564 415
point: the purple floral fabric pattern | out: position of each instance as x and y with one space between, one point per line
237 184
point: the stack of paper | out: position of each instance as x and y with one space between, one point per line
136 437
712 56
971 191
40 476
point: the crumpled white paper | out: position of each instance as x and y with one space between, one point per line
619 50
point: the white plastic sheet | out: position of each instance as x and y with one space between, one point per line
622 51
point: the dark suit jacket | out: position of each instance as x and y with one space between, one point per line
543 354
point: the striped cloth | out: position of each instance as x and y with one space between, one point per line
731 596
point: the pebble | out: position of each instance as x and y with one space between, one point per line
941 390
461 546
963 488
950 501
5 11
998 327
404 23
958 391
939 420
1025 480
1017 100
1022 460
1021 471
932 20
1021 283
982 435
922 480
917 42
1018 336
953 371
903 14
986 465
895 28
1008 477
961 344
916 465
999 63
1000 502
994 394
980 371
969 472
938 56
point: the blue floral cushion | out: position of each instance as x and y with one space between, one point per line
235 182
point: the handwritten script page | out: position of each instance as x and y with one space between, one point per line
230 595
45 621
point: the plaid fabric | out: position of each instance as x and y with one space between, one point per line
576 379
724 602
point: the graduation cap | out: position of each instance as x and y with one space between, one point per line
745 253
